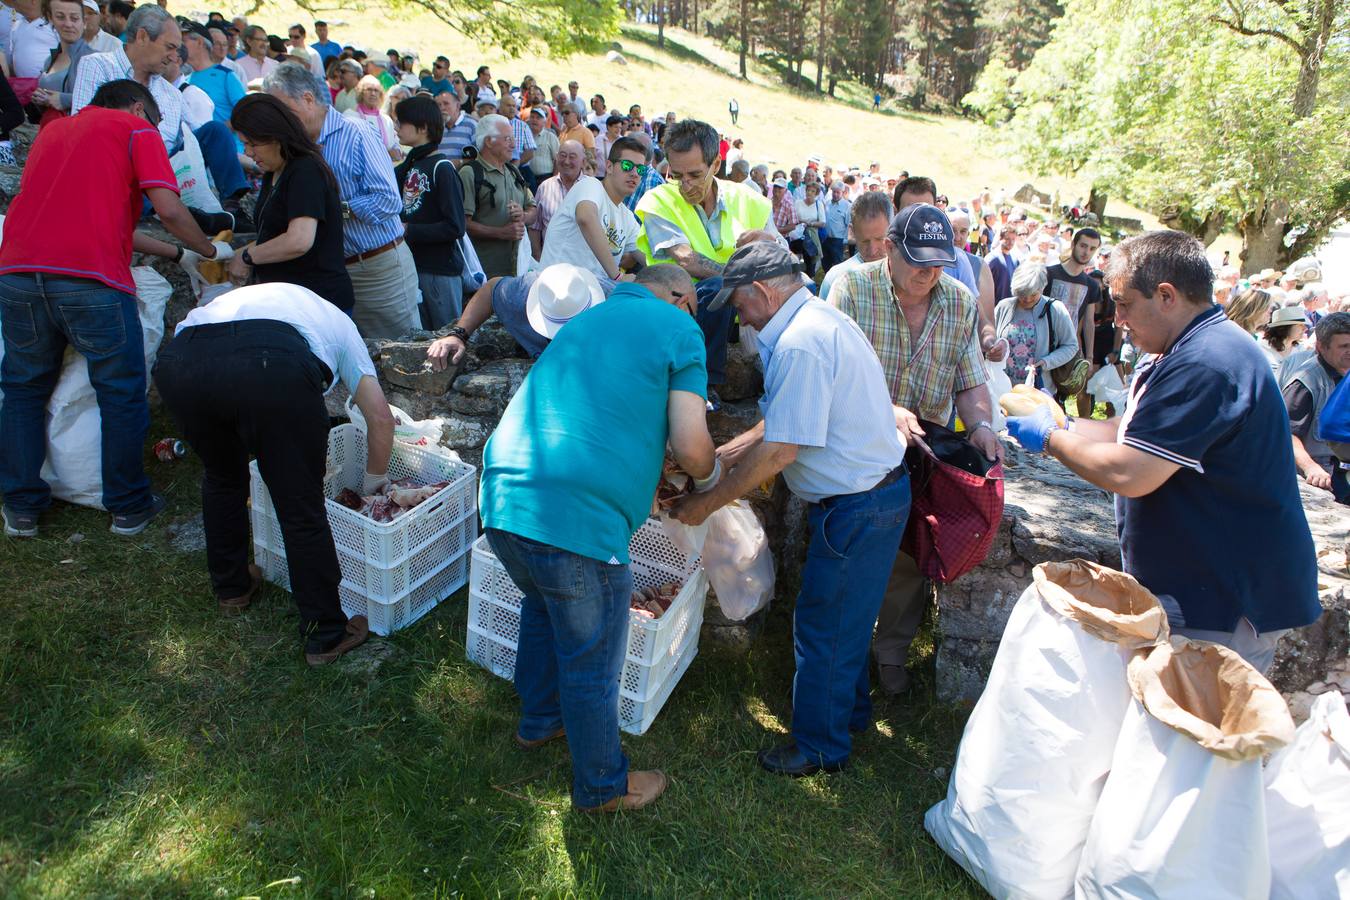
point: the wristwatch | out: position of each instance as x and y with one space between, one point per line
246 257
457 331
984 423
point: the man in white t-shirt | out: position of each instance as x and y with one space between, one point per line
245 376
298 48
32 39
592 228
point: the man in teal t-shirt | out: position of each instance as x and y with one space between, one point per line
568 478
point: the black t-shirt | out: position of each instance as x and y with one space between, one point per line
303 190
1076 292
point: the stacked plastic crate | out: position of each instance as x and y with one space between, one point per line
392 572
659 650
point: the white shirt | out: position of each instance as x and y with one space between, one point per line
104 42
198 107
33 42
315 60
836 272
330 333
598 120
564 242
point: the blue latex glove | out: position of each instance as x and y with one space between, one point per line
1031 431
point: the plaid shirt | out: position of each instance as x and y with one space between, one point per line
785 212
947 360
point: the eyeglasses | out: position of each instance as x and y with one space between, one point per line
627 165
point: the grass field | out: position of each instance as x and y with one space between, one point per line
151 748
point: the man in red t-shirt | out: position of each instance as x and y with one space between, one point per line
65 278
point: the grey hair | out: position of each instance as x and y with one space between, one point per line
295 80
669 276
150 18
760 168
1029 279
741 165
787 284
689 134
1147 260
487 127
1331 325
869 205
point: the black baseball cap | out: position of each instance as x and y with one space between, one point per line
190 26
756 261
923 234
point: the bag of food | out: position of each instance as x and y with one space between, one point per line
1182 813
194 183
74 466
1038 745
999 384
1107 387
1308 807
1023 399
738 561
418 432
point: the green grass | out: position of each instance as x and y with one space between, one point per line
149 747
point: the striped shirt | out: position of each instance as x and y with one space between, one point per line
98 69
925 376
457 137
523 138
824 391
366 184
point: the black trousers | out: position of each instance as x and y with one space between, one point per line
253 388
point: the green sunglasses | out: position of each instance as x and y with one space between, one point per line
627 165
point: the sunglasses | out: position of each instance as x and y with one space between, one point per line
627 165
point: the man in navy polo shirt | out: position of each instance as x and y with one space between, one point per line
1201 463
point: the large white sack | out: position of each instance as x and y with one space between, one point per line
1038 745
1183 812
1308 807
74 466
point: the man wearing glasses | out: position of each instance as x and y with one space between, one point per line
693 222
593 229
438 82
298 48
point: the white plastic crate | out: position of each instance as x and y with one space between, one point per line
386 544
384 617
636 713
372 580
655 561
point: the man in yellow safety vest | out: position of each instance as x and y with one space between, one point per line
693 222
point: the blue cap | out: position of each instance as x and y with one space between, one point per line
923 234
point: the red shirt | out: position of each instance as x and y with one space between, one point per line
80 197
722 148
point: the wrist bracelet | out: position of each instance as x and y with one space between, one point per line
458 332
246 257
179 257
1045 445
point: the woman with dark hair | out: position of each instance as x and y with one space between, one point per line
299 213
52 98
1281 337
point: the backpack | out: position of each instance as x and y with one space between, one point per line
480 182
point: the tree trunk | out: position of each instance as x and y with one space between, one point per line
1263 237
661 23
1097 203
745 32
820 47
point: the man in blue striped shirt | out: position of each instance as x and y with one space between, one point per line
381 267
829 427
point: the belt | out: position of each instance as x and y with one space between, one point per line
370 254
889 478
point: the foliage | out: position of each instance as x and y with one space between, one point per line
993 94
1017 28
1208 134
563 26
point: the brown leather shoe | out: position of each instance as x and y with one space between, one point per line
643 789
357 632
894 680
233 606
531 745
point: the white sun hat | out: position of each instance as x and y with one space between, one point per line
560 293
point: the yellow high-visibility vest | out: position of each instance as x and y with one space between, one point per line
746 209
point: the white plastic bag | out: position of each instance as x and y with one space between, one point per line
472 275
688 539
74 466
525 260
999 384
1038 745
1106 387
1182 813
1308 807
194 185
418 432
738 561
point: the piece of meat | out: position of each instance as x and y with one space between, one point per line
411 496
350 499
674 483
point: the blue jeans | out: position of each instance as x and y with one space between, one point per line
573 638
40 314
854 539
716 328
833 248
221 156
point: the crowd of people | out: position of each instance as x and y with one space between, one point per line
621 251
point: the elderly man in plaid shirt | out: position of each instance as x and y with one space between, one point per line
925 328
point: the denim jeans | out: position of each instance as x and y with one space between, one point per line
39 315
573 638
716 328
442 299
854 539
221 156
833 249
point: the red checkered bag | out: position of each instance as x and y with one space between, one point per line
957 506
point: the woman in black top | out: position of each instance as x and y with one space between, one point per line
299 213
